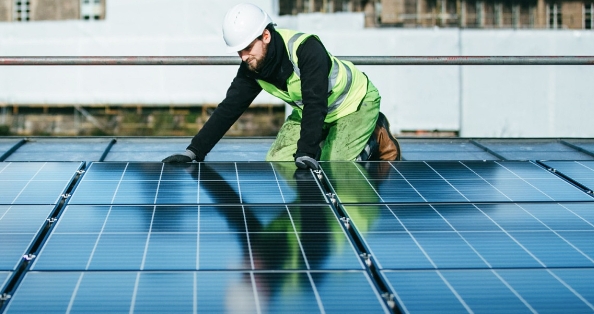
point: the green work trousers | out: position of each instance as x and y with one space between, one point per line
346 137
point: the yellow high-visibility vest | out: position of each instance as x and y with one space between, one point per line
346 84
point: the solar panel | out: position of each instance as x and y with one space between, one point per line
191 292
208 183
493 291
60 149
274 247
205 238
35 182
441 149
157 148
7 144
441 181
143 149
586 144
438 236
4 275
19 227
581 172
468 256
534 149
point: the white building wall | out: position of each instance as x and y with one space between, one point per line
479 101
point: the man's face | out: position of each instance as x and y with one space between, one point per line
253 55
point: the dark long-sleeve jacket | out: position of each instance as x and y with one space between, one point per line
314 65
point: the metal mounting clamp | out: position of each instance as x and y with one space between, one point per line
318 174
346 221
332 198
29 257
367 258
389 297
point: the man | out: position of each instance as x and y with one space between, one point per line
335 107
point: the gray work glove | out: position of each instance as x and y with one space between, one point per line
304 161
187 156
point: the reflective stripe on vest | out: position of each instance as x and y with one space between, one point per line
331 80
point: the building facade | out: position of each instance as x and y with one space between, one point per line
555 14
51 10
552 14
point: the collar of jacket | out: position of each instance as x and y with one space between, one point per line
277 67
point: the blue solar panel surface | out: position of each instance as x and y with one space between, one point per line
4 275
411 236
582 172
473 236
538 149
35 182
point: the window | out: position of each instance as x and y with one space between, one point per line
480 13
21 10
91 9
554 16
588 19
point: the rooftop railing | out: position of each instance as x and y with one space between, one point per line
360 60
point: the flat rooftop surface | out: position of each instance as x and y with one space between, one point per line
461 225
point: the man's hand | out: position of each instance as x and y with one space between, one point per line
303 161
187 156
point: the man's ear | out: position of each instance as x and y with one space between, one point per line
266 36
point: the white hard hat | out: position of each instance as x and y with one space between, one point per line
242 24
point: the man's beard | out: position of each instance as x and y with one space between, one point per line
255 64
